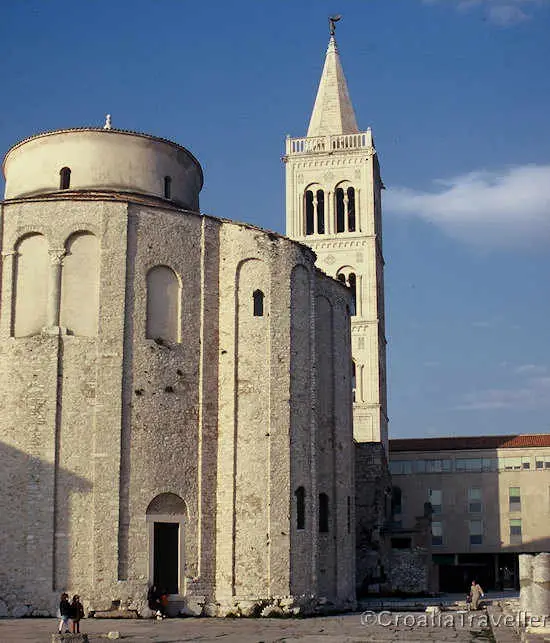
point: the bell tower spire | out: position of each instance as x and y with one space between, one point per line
333 112
333 204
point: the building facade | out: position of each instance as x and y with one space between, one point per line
490 500
175 389
333 204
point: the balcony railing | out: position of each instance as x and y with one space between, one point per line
320 144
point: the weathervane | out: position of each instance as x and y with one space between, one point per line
332 23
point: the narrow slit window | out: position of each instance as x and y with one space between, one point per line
351 209
64 178
167 187
353 379
323 513
308 206
300 508
339 197
320 212
349 515
258 297
352 281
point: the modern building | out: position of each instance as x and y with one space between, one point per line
490 501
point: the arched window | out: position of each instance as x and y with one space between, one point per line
342 278
64 178
309 212
352 283
258 297
320 212
30 285
300 508
349 515
351 210
340 222
353 379
79 304
323 513
167 187
163 304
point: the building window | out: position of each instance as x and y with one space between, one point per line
515 531
300 508
340 221
314 211
351 209
515 499
352 281
435 499
514 464
437 533
64 178
167 187
474 500
323 513
476 532
353 380
258 298
163 304
320 212
401 467
349 515
434 466
542 462
309 212
396 500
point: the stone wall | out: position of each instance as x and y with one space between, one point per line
372 499
213 428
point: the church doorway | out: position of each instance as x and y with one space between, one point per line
166 516
166 556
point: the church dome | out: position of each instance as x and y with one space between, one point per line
105 160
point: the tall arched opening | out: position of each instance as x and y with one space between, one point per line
166 516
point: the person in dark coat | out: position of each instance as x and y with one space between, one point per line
77 612
153 599
64 614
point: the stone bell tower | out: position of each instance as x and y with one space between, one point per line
333 204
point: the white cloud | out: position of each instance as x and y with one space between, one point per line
510 207
531 369
533 395
503 13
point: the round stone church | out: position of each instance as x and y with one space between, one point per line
175 390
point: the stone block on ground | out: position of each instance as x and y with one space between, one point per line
272 611
249 608
69 638
115 614
210 609
3 610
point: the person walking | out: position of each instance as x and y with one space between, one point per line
476 593
64 614
77 612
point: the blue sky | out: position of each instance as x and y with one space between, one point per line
458 95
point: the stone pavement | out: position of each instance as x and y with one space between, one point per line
348 628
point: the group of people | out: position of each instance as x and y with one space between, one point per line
70 614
